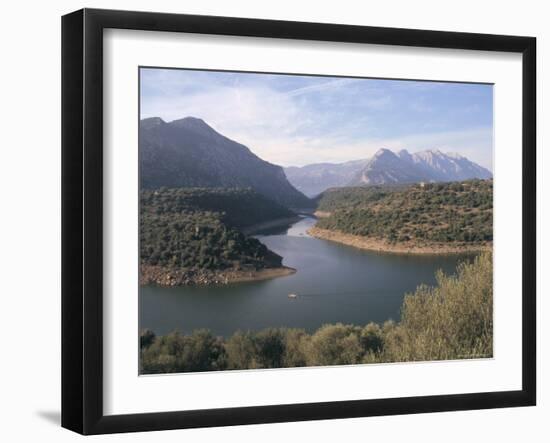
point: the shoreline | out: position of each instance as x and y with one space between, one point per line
378 245
279 222
172 277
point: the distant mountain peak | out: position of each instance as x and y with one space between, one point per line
431 152
430 165
315 178
151 122
456 155
384 152
190 121
386 167
194 124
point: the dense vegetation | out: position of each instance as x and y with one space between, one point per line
197 228
452 320
434 212
236 207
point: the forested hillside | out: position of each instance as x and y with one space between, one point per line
191 235
459 213
236 207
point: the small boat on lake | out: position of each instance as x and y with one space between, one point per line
292 295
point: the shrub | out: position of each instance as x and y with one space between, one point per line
269 348
335 345
174 352
296 343
240 351
452 320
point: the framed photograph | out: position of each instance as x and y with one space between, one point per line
268 221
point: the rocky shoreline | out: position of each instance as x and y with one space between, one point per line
169 277
379 245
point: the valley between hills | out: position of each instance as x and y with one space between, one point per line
203 197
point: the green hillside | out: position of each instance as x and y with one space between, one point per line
195 230
456 212
236 207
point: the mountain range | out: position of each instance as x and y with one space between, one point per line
386 168
315 178
190 153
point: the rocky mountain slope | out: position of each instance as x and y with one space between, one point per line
386 168
190 153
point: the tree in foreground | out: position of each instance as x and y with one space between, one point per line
452 320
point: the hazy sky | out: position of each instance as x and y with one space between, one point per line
297 120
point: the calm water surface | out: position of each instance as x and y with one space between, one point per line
334 283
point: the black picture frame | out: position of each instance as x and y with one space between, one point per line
82 218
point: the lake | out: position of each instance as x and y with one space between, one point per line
333 283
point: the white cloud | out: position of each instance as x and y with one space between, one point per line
257 111
321 87
283 128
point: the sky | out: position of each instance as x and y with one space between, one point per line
294 120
